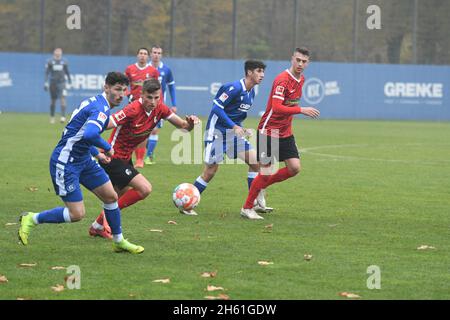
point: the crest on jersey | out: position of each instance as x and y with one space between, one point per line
223 97
120 115
279 90
102 117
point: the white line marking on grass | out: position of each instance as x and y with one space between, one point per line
353 158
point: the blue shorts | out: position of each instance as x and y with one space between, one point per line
228 144
160 124
68 177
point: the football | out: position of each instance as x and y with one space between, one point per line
186 196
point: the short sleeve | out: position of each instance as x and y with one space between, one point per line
166 113
98 118
279 89
125 115
225 97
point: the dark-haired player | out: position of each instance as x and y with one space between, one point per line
132 125
71 165
275 137
225 133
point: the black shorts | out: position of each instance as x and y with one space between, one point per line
270 148
56 90
120 172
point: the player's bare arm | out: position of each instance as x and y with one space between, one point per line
187 124
310 112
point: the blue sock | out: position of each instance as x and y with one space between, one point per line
151 144
250 177
112 214
200 184
55 215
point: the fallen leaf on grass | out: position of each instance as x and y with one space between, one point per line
172 222
209 274
349 295
155 230
269 226
3 279
307 257
213 288
10 224
425 247
28 265
58 288
58 268
162 280
219 297
264 263
32 189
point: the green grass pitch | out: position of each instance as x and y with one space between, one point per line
369 194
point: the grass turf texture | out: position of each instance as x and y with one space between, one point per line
370 195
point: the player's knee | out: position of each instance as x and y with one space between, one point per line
111 198
77 214
145 190
294 169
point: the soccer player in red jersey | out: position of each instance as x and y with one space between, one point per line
137 73
275 137
132 125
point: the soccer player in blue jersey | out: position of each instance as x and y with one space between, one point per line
71 164
225 133
167 82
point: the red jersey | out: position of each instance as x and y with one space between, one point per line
283 103
133 125
137 75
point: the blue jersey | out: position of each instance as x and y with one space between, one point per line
165 78
72 148
235 100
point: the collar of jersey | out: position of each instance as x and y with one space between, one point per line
298 80
137 65
104 96
160 64
148 113
243 84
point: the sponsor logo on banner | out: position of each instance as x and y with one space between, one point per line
315 90
85 84
414 92
5 80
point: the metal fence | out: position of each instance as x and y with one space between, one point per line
408 31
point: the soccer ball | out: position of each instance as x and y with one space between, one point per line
186 196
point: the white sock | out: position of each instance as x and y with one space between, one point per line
97 226
117 237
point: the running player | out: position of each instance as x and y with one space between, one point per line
225 133
137 73
71 165
167 82
275 137
132 125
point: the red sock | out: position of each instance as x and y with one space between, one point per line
128 198
140 153
100 218
258 183
279 176
262 182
